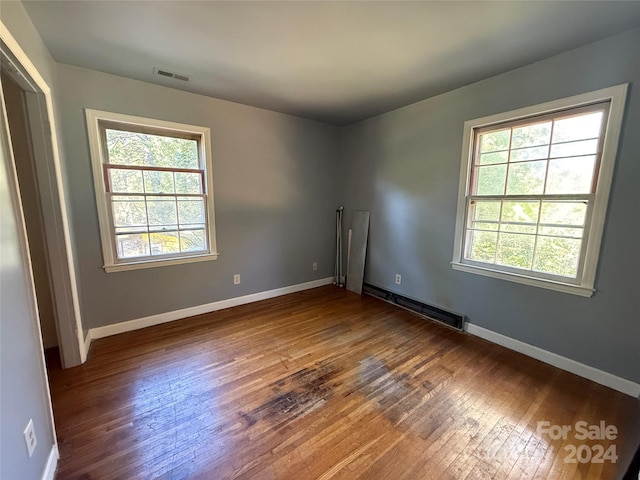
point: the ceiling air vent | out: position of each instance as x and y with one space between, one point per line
167 73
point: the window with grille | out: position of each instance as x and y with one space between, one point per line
154 190
534 186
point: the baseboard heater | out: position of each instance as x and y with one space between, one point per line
450 319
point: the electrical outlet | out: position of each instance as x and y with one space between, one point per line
30 437
236 279
398 278
314 266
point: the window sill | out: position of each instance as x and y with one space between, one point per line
535 282
121 267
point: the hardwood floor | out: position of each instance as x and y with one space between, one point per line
322 384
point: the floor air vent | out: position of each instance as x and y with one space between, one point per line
450 319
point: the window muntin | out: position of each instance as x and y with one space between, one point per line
538 217
153 187
531 188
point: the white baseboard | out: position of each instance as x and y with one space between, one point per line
87 344
108 330
590 373
52 462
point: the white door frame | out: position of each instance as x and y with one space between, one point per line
25 258
53 199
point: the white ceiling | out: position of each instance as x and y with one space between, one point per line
337 62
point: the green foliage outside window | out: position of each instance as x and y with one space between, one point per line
534 162
155 212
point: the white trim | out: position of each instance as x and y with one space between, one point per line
87 343
121 267
21 232
98 153
616 95
525 280
585 371
116 328
32 71
52 463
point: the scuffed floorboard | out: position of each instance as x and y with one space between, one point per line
322 384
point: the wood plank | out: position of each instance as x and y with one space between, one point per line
321 384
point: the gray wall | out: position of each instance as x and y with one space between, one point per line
23 384
404 167
23 387
274 189
18 23
278 180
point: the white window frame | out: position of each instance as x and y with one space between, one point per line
94 119
585 282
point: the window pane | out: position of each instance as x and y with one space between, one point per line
192 240
520 211
158 182
563 213
532 153
526 178
190 210
561 231
482 246
531 135
164 242
522 216
484 226
129 211
491 142
125 181
570 175
494 157
490 180
485 210
583 147
188 182
136 245
577 128
162 211
134 148
515 250
542 198
518 228
558 256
